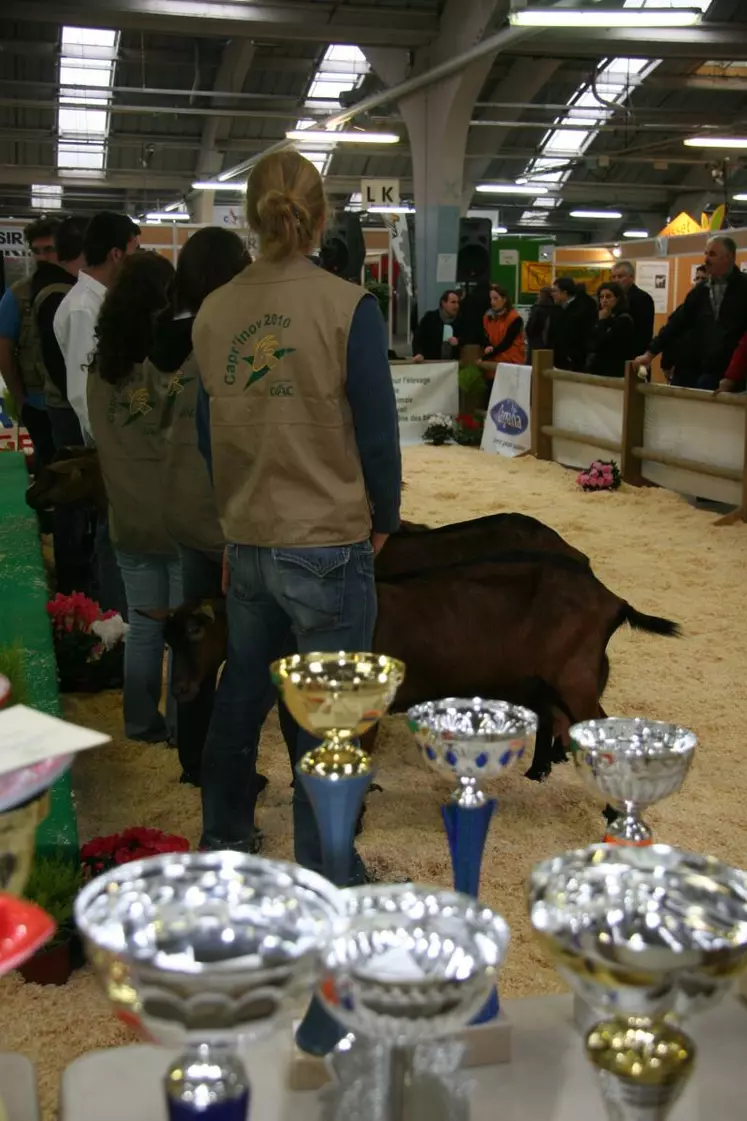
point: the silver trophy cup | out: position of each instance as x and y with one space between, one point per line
203 951
411 965
633 764
646 937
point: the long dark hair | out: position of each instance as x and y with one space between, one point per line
140 299
616 289
210 258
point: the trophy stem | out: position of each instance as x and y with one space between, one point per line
467 830
643 1067
397 1079
209 1082
336 802
629 828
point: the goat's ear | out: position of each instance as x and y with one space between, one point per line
158 614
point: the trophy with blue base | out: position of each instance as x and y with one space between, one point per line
473 740
336 697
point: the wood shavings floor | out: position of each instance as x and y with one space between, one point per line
650 547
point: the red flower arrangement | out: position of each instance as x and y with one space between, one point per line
601 475
87 642
468 430
103 853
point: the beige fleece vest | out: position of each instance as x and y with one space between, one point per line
126 425
271 347
190 510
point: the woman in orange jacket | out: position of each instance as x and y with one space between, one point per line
504 331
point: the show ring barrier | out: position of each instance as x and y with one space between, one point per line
690 441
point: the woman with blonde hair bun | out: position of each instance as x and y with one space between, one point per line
298 421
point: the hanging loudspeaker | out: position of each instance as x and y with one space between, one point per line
343 250
473 258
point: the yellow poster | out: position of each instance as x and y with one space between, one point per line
535 275
682 224
540 274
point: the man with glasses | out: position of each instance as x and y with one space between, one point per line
22 373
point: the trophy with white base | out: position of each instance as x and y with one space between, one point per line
410 966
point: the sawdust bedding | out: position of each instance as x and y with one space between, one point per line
649 546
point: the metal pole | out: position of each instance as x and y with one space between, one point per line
493 43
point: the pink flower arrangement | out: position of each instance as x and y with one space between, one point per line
600 475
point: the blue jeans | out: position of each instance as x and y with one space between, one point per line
112 595
279 600
152 583
201 579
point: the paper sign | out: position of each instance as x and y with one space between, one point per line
653 277
422 389
508 256
446 268
28 736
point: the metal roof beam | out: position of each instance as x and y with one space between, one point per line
234 66
322 22
707 40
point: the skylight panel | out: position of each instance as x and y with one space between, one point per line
44 197
86 78
342 69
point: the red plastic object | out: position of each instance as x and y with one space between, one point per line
24 927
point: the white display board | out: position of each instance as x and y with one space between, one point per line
653 277
506 429
423 389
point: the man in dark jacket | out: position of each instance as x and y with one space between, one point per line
572 325
50 285
435 337
640 305
713 316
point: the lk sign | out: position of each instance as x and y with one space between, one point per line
379 192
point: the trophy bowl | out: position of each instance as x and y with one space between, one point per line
24 783
642 932
645 936
337 697
632 764
206 946
18 827
471 739
411 963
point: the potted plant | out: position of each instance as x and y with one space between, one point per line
53 885
13 669
88 643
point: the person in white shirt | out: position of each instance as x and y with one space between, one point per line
109 239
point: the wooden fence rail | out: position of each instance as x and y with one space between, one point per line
632 447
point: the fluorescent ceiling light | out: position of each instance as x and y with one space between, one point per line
390 209
596 214
499 230
328 136
218 185
740 198
590 17
509 189
715 142
167 216
635 233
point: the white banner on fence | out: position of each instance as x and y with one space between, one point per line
423 389
506 429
